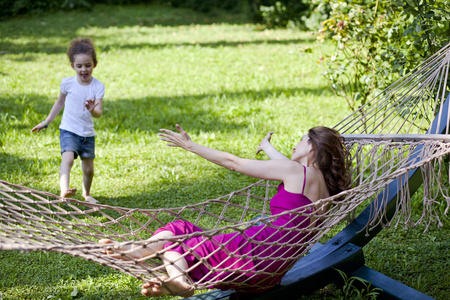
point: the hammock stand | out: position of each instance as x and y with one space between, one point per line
345 250
389 163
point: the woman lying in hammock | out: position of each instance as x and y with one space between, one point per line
318 168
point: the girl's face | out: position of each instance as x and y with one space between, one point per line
83 66
302 149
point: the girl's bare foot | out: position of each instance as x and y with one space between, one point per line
162 286
69 193
90 199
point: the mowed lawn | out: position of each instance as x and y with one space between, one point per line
226 81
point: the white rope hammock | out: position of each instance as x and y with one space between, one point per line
390 144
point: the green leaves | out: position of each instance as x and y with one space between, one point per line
386 41
418 28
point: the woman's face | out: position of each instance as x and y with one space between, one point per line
302 149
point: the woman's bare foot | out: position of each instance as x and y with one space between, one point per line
104 242
90 199
112 253
69 193
162 286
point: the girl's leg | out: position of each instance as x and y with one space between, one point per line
176 284
67 159
87 166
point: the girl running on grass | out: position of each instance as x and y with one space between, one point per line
81 96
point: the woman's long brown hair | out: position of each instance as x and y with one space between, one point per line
332 157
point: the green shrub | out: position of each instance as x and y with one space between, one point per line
206 5
11 8
281 13
376 42
316 15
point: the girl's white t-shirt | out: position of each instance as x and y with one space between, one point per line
76 117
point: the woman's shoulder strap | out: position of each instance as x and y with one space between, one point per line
304 178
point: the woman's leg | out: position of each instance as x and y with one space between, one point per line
67 159
175 284
138 252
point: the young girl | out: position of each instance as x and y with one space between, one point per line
318 168
81 96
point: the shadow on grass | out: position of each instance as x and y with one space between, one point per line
40 31
217 44
36 47
198 112
151 113
13 166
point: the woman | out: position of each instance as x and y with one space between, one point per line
318 168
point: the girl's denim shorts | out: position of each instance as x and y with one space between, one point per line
79 145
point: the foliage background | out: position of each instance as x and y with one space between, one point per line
376 42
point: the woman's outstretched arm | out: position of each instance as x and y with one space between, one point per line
270 150
268 169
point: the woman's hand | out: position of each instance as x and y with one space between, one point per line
268 149
264 169
264 142
174 139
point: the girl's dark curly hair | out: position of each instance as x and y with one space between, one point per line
332 157
82 46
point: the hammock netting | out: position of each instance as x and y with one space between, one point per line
389 137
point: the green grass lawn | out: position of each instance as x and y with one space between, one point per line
226 81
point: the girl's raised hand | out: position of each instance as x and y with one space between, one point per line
90 105
174 139
264 142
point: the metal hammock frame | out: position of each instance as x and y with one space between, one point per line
396 139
